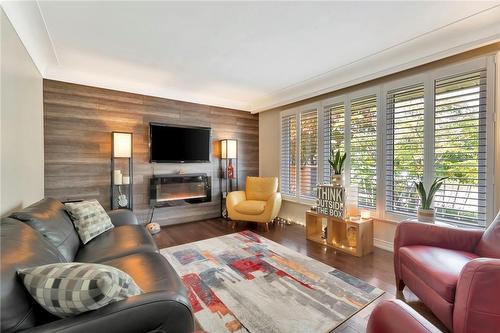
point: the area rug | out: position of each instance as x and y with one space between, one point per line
243 282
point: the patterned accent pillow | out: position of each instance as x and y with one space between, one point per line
89 218
67 289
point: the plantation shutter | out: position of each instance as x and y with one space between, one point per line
364 149
308 153
404 148
460 147
288 155
333 125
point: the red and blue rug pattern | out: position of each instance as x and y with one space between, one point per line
243 282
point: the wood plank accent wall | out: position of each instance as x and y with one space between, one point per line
78 121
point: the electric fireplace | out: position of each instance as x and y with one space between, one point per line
176 189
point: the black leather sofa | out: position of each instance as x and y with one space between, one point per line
43 233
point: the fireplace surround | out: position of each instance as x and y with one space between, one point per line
179 189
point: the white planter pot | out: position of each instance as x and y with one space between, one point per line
425 215
338 180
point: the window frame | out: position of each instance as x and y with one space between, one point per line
487 63
297 111
336 100
387 87
427 78
353 96
283 115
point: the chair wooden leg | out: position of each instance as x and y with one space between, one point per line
266 228
400 285
233 224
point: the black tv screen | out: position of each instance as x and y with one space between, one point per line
179 144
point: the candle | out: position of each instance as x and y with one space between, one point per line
365 214
126 180
117 177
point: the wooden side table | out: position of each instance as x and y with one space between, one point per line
352 237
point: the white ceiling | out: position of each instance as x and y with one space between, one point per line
244 55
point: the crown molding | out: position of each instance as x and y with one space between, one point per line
467 34
27 20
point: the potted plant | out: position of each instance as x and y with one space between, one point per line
425 212
337 165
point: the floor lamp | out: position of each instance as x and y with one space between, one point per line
229 152
121 184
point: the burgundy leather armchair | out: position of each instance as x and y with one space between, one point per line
395 316
454 271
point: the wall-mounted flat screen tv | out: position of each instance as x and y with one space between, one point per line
179 144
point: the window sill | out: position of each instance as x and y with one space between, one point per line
399 219
305 202
388 217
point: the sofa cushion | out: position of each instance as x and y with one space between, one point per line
89 218
50 218
489 244
151 271
22 246
251 207
68 289
260 188
117 242
438 268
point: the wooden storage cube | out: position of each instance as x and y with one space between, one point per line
353 237
314 228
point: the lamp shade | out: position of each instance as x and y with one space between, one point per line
122 144
228 148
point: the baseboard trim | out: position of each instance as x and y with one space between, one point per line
384 245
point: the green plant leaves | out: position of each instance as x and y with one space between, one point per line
426 199
337 164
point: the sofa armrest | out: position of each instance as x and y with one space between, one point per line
122 217
234 198
477 307
416 233
155 311
273 205
395 316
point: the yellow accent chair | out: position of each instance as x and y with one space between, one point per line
260 202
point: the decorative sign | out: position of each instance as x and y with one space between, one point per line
331 200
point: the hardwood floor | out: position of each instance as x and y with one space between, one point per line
376 268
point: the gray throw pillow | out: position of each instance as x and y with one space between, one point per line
68 289
89 218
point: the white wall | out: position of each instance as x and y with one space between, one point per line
21 124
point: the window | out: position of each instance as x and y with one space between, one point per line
460 147
308 153
364 149
437 123
288 154
404 148
299 153
334 125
